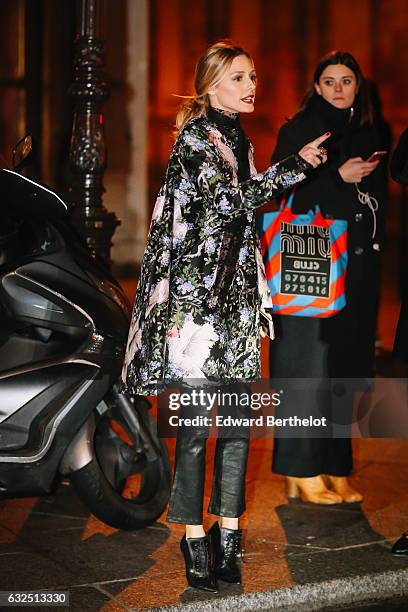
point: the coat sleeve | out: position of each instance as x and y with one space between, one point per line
325 181
286 143
202 162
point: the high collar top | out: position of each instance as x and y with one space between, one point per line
223 117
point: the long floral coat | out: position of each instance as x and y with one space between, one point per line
182 328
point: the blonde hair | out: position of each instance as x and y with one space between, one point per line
210 70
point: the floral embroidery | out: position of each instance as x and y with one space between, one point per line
158 208
175 333
226 152
159 294
134 343
189 350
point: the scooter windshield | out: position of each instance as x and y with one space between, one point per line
21 197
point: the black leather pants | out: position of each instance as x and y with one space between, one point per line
230 463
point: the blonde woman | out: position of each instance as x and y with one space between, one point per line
202 284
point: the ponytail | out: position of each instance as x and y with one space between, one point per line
195 106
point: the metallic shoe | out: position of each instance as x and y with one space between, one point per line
311 489
226 547
340 485
400 547
199 570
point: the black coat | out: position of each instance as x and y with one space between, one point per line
344 344
399 172
399 160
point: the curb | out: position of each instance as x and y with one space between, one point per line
306 597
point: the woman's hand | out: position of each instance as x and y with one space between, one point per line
355 169
313 152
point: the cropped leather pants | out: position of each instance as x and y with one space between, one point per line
230 463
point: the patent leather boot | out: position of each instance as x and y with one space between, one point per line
226 547
198 560
400 547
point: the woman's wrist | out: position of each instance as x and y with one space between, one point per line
295 162
337 175
303 164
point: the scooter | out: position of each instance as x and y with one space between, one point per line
63 327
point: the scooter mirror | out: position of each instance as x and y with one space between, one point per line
22 152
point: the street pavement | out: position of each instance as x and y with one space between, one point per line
298 555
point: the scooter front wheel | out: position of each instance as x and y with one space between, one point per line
127 483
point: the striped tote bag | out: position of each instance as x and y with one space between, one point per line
305 258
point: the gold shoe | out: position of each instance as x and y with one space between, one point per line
311 490
341 485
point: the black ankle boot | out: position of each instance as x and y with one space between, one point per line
400 547
226 546
199 567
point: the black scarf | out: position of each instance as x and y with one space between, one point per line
341 122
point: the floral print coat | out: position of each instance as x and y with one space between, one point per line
183 327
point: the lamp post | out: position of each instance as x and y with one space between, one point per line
88 150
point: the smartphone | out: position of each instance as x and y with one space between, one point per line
376 156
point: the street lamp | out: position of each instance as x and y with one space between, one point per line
87 155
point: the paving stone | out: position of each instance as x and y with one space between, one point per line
89 598
326 528
99 558
38 523
348 562
32 571
54 542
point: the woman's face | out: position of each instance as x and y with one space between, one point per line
337 85
236 91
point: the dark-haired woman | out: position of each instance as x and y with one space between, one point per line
341 346
202 284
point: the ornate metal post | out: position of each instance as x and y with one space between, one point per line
88 151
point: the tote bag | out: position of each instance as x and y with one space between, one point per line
305 258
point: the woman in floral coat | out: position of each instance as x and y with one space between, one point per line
196 317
